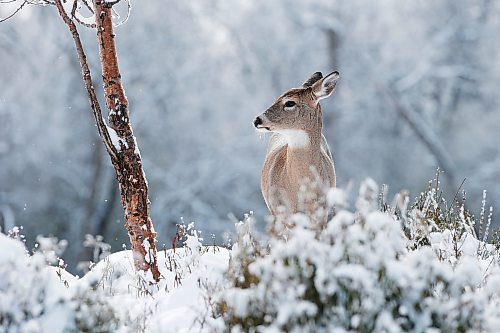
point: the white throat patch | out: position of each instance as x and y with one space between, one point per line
295 138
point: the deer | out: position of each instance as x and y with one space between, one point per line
298 157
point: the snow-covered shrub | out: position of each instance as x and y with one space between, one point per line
93 311
450 228
361 273
37 297
31 299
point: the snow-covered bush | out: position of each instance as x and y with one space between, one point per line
362 273
93 311
38 297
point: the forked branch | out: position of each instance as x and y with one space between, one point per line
118 139
15 11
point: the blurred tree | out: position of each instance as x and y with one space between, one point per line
199 73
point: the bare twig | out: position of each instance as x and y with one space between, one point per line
110 4
89 7
88 25
129 7
15 12
41 2
73 15
87 79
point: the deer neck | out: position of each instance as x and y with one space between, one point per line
303 151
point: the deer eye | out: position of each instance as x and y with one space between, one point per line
289 104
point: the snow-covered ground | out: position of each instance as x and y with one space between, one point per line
112 296
366 271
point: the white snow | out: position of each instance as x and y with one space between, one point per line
115 139
175 302
360 273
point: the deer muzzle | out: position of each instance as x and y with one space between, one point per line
260 123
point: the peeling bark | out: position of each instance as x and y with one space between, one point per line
120 145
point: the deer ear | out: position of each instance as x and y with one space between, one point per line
324 87
314 78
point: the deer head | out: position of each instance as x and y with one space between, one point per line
297 111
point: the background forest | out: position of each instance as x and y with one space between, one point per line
418 88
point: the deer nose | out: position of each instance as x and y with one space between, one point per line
257 122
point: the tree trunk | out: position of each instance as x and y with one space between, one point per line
118 138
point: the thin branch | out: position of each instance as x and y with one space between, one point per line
88 25
89 7
430 140
73 15
129 7
94 102
15 12
110 4
115 12
41 2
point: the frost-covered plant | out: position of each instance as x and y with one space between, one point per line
38 297
93 311
431 212
245 251
16 233
361 274
431 217
30 295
